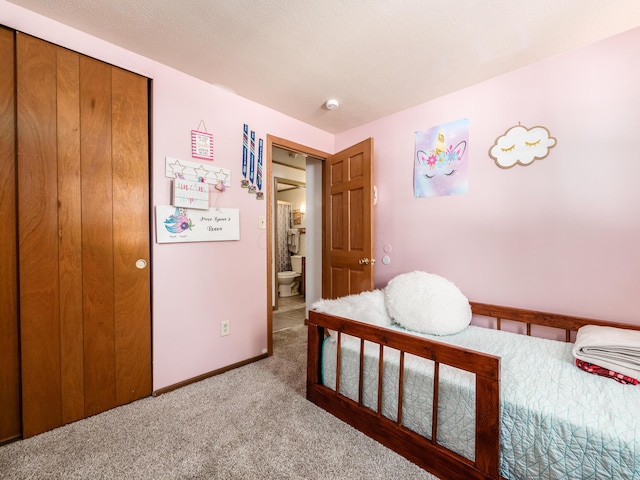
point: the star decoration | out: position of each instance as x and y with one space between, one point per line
177 169
201 173
221 176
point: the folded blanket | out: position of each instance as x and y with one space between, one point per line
605 372
612 348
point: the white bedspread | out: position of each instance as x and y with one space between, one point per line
557 421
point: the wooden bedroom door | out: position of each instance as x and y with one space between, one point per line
10 427
83 235
348 237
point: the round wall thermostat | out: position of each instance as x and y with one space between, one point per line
332 104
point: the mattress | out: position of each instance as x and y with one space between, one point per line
557 421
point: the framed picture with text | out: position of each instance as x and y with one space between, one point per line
201 145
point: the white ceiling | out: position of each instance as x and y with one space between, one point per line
377 57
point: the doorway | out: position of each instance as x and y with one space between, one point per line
343 182
289 224
291 166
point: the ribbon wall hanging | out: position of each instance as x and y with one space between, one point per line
259 193
250 164
245 156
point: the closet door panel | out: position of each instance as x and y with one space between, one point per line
10 426
83 223
131 209
70 235
97 235
38 234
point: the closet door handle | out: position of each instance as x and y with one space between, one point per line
141 263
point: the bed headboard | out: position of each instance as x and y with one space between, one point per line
567 323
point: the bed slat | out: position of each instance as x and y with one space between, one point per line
380 374
434 412
400 388
361 373
339 356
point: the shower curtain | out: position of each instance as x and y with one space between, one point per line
284 224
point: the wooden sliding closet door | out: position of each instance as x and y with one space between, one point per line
83 224
10 427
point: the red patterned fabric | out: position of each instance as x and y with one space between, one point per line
604 372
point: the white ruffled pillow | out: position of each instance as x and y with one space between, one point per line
427 303
367 307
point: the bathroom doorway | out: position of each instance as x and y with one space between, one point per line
289 234
292 167
320 222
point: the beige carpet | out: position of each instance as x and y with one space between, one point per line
249 423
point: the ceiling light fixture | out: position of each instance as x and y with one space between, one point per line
332 104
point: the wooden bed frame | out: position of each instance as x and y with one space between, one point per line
427 453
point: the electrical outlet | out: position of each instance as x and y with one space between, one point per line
224 328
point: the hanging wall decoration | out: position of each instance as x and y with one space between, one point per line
190 194
521 146
441 160
245 156
196 172
178 225
252 162
259 192
202 143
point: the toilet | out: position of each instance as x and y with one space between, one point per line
289 281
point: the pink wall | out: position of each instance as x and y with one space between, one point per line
195 285
559 235
200 284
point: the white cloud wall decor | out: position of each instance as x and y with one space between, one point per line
521 145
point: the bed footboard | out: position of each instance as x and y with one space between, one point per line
425 452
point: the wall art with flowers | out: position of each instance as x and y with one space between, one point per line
178 224
441 160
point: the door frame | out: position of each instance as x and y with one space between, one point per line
273 141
